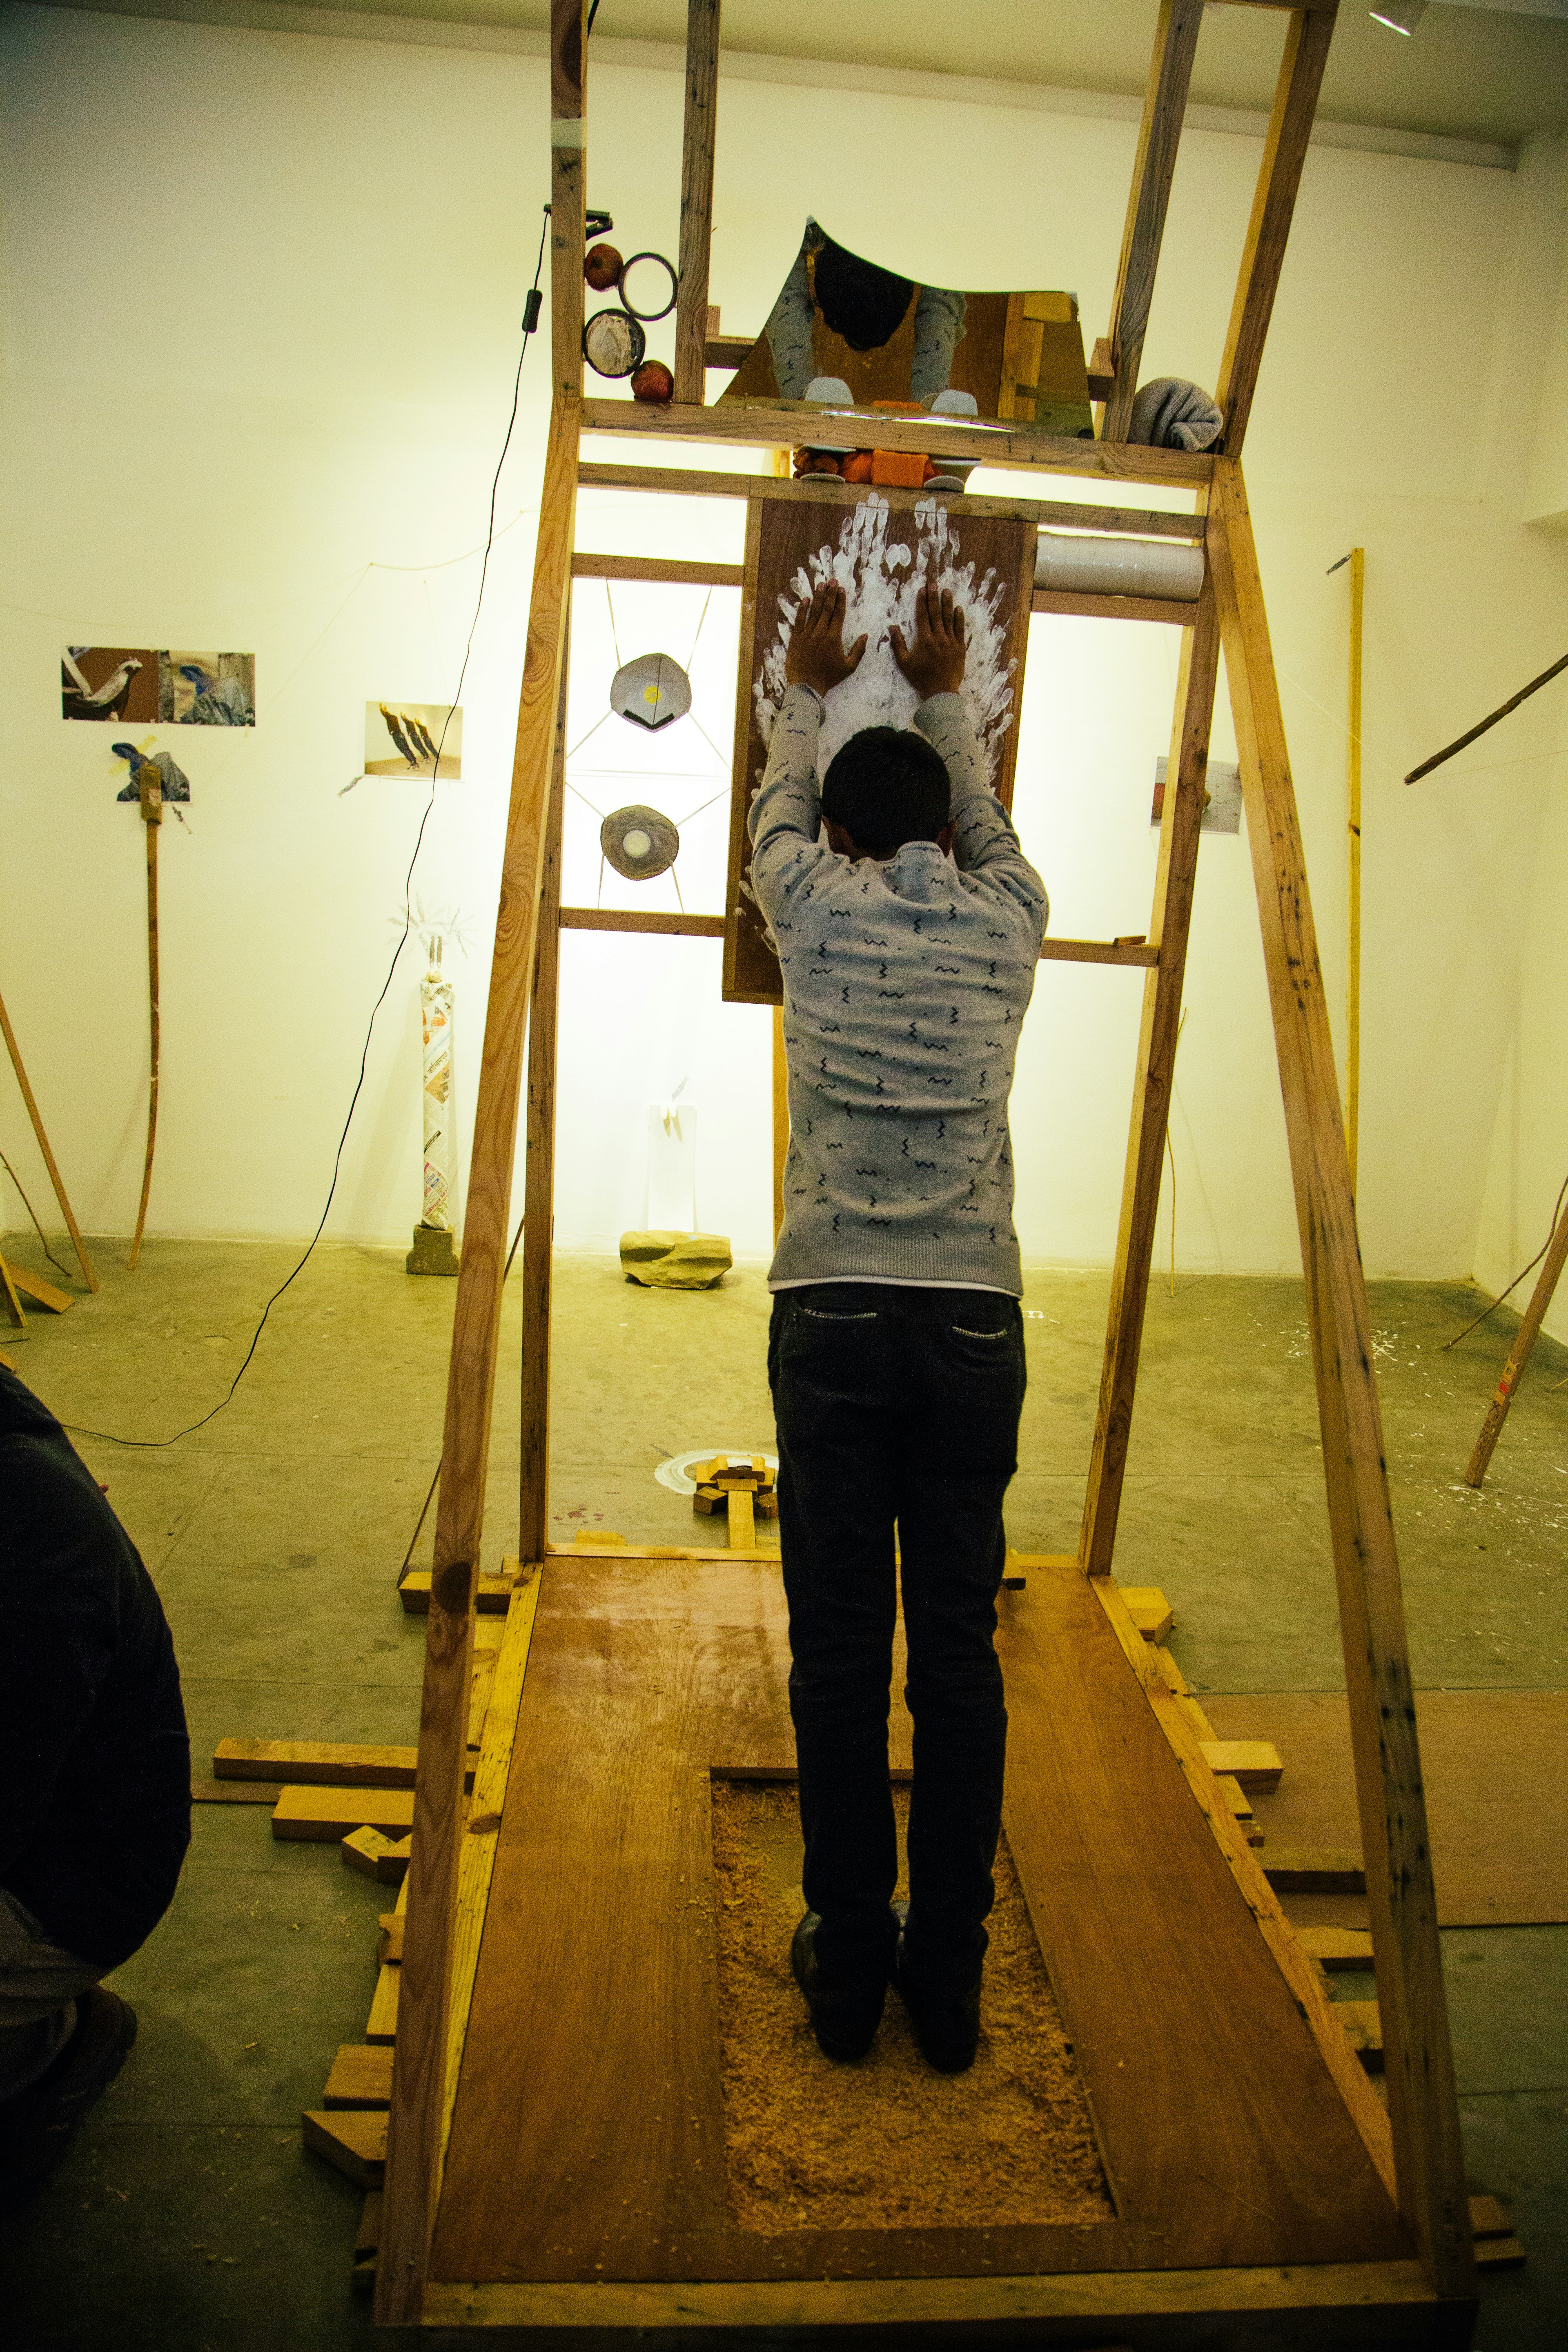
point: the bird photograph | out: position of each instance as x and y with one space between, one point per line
403 738
199 689
101 682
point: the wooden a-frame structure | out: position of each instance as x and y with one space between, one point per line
1414 2151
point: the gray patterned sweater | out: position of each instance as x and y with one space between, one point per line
905 989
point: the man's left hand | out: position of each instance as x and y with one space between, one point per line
818 656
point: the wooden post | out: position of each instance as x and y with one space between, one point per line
1352 982
696 198
539 1176
1164 103
1179 831
1284 153
1524 1339
43 1143
1423 2109
152 818
780 1119
418 2080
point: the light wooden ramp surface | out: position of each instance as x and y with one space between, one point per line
587 2141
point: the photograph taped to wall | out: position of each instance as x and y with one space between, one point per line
119 682
200 690
402 739
883 557
1019 355
1222 806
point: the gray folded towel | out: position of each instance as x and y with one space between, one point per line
1172 414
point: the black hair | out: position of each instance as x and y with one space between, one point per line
885 786
863 304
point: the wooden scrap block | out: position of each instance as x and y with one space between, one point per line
1149 1610
1317 1870
367 2239
1489 2218
597 1536
1365 2028
1496 2247
1255 1763
382 2025
330 1814
389 1951
355 2141
377 1856
1337 1948
735 1476
766 1507
320 1763
743 1528
234 1793
493 1599
361 2078
1497 2254
707 1501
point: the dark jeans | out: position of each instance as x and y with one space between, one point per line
896 1406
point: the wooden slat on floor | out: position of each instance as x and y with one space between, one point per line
587 2139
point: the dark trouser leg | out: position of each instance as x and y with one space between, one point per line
964 1351
835 1443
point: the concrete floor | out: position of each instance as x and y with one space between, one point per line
188 2219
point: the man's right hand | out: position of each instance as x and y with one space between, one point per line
934 663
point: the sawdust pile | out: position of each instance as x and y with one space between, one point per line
887 2144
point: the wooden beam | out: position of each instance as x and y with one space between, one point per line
1176 612
696 197
325 1763
1174 878
1518 1354
678 572
624 918
1132 952
419 2079
539 1169
774 425
326 1815
1164 103
568 202
828 490
1352 976
1423 2109
1284 153
42 1140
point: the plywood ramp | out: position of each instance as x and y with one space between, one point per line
587 2141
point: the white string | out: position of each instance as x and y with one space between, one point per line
700 618
615 640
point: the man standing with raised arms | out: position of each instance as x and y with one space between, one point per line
908 934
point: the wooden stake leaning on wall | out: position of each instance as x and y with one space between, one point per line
1307 42
1353 985
1164 103
539 1166
72 1228
1423 2107
152 818
1180 824
1524 1339
696 198
419 2081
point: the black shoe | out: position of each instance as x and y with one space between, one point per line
38 2126
844 2018
946 2018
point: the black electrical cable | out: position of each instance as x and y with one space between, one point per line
531 317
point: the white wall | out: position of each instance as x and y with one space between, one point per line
260 321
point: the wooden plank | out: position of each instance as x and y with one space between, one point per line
1263 255
367 2238
1149 1610
568 214
828 490
779 425
1169 925
492 1597
727 351
539 1167
1174 612
1136 952
1164 103
1402 1907
1334 2306
1519 1353
1353 876
477 1860
1254 1763
355 2141
1257 1884
742 1523
625 919
1315 1870
696 196
1489 2218
1338 1948
381 2026
678 571
41 1139
325 1763
42 1293
234 1793
328 1815
389 1944
361 2078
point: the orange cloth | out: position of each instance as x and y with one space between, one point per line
899 468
